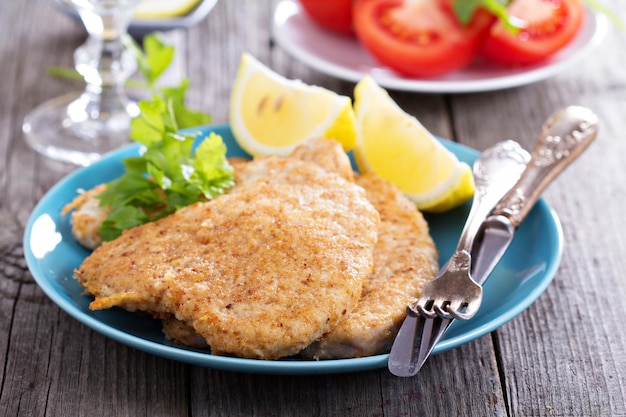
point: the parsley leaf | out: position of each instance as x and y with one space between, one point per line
185 117
169 173
152 62
157 57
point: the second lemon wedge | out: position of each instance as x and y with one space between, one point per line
396 146
270 114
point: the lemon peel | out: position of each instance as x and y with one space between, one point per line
271 114
396 146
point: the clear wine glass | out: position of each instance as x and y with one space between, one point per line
79 127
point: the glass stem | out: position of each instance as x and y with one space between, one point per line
105 63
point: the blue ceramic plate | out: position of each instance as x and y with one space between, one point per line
51 253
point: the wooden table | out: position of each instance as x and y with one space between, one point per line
564 356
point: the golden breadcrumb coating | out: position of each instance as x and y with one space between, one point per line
199 309
405 258
260 272
87 216
328 154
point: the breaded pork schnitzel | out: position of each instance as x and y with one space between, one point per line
404 256
87 217
261 272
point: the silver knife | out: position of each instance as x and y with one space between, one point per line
565 135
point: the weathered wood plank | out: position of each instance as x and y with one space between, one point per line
59 367
565 355
371 393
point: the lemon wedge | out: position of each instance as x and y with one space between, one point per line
397 147
164 9
270 114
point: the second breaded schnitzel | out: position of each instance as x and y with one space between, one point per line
261 272
405 258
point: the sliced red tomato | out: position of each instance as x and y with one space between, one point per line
335 15
548 25
419 38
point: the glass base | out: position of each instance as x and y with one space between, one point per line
72 129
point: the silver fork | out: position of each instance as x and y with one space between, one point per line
453 293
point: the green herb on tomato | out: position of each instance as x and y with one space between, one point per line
428 38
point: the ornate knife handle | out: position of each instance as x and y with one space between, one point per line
564 136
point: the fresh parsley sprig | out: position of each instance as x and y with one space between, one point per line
167 175
171 171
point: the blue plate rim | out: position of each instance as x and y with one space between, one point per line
281 366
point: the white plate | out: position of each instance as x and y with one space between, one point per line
343 57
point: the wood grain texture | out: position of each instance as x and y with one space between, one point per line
564 356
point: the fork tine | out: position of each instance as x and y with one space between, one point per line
442 310
468 312
424 308
459 308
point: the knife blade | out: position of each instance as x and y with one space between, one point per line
564 136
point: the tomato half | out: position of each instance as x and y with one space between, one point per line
419 38
548 26
335 15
